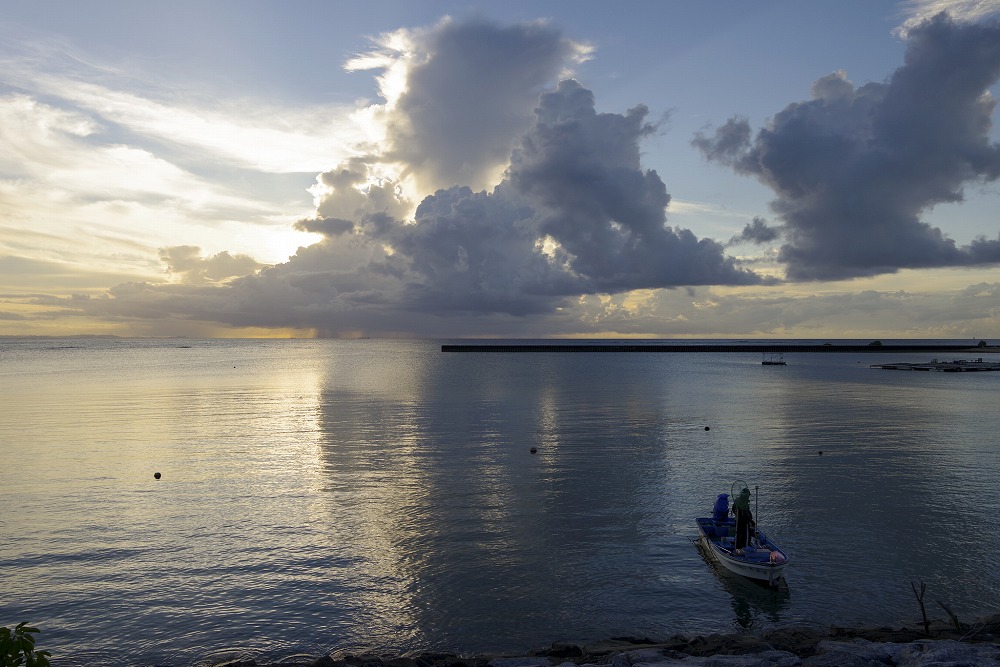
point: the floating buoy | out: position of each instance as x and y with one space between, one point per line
821 452
534 450
156 475
707 428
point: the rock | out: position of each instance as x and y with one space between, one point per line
636 641
781 647
435 659
528 661
853 653
644 656
669 658
939 653
563 650
897 635
616 645
621 660
325 661
991 620
946 653
726 645
762 659
400 662
801 641
606 647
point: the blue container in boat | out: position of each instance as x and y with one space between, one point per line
721 511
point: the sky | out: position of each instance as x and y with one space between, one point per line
542 169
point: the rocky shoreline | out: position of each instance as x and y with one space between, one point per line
946 645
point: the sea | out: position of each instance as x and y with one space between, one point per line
188 502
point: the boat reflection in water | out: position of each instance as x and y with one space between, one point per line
755 603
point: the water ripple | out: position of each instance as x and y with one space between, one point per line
373 495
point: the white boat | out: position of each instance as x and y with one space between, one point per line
761 560
773 359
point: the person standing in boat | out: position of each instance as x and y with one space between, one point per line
744 518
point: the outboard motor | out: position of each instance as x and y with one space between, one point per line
721 511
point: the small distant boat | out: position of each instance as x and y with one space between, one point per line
761 560
773 359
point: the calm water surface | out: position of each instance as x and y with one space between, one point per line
325 496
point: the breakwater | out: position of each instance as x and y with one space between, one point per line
759 348
957 366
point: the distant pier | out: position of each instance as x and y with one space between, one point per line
758 348
958 366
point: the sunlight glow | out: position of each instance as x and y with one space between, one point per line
393 55
547 246
250 133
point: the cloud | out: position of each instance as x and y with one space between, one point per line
65 151
574 213
460 93
46 276
188 263
952 313
73 175
74 197
854 168
758 232
581 173
93 151
325 226
254 134
920 11
359 186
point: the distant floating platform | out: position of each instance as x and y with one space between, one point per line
958 366
758 348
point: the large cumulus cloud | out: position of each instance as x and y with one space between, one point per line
855 168
575 215
573 211
581 172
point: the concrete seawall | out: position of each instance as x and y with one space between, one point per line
759 348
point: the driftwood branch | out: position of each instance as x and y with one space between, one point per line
951 614
920 601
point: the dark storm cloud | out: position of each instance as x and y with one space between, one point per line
576 215
854 168
581 172
985 251
758 232
476 252
325 226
